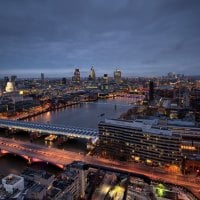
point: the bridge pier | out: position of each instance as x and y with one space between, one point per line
34 135
3 152
61 139
9 132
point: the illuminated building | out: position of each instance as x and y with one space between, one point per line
105 78
73 180
104 85
117 76
140 140
10 87
163 193
76 78
92 75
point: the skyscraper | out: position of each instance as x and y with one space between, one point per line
13 78
76 78
92 75
151 90
42 78
105 79
117 76
6 79
104 85
64 81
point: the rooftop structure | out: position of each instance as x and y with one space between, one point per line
13 182
143 125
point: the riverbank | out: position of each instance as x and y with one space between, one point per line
46 107
39 110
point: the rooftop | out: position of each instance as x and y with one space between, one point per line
148 126
40 173
37 188
12 179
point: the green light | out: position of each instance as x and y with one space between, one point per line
160 190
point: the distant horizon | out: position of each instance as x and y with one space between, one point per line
84 74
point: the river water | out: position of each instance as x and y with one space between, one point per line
85 115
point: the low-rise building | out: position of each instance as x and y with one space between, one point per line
37 191
40 176
13 182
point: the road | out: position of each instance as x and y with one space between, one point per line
63 157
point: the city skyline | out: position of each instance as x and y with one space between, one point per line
138 37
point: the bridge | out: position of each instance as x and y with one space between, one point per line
61 158
70 131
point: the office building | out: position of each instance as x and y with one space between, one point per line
76 78
5 80
105 79
64 81
139 140
37 191
104 85
151 91
92 76
42 78
117 76
13 78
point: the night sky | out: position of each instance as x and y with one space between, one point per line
140 37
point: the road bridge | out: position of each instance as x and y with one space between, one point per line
61 158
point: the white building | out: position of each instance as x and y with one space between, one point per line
10 86
13 182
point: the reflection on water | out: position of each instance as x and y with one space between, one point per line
84 115
12 164
87 114
16 165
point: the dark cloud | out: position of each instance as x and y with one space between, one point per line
140 37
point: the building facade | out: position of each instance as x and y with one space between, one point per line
92 76
118 76
77 77
139 141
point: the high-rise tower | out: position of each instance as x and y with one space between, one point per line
76 78
92 75
42 78
117 76
151 90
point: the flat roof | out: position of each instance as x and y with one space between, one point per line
11 179
178 122
37 187
147 126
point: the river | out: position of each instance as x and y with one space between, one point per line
85 115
